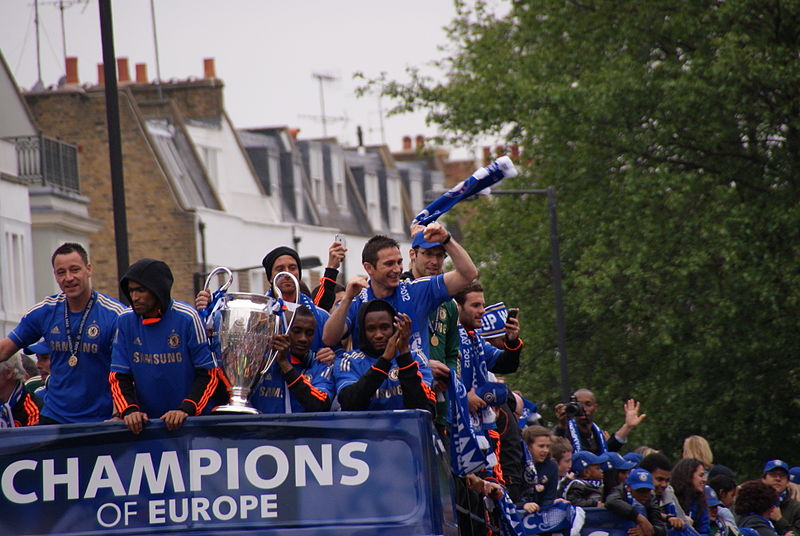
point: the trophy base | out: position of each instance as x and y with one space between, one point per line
233 409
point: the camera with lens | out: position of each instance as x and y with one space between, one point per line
574 408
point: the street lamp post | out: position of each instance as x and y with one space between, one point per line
555 256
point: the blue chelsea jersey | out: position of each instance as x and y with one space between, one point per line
350 366
269 394
162 356
78 389
417 298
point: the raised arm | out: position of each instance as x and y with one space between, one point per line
464 271
335 327
7 349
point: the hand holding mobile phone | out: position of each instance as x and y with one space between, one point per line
513 312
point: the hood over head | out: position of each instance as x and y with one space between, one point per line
153 275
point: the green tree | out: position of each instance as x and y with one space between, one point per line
671 131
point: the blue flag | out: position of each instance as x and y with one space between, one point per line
465 454
480 180
528 409
555 517
510 523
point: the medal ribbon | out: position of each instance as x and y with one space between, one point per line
74 348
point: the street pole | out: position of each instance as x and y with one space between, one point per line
555 257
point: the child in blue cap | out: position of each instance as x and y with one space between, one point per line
635 502
586 489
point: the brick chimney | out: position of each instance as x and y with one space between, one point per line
487 155
72 71
141 73
209 70
515 152
292 131
123 74
406 143
101 75
420 141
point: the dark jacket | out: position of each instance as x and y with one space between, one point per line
790 516
547 478
511 445
153 275
757 523
581 493
617 503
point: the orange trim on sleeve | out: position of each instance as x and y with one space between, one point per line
497 469
209 391
505 345
373 367
117 397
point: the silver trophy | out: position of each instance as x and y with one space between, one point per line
243 327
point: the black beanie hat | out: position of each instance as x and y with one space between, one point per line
273 255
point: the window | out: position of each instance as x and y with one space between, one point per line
14 296
316 174
337 171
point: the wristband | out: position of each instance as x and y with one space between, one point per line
446 240
517 347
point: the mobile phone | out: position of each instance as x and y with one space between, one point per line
513 312
341 239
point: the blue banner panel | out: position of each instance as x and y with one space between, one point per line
325 473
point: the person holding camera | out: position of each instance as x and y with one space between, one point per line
576 423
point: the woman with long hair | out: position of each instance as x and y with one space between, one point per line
688 479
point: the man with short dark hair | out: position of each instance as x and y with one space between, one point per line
161 365
78 325
660 468
384 373
383 263
787 516
298 380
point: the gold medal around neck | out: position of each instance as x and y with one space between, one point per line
73 360
434 340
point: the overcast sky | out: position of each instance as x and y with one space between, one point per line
265 51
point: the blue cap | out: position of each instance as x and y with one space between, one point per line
493 321
634 457
775 464
615 461
493 393
40 347
583 459
711 497
640 478
794 475
419 241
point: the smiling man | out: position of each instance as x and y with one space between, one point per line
161 365
383 263
78 325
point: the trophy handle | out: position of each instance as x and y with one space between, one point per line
225 286
274 353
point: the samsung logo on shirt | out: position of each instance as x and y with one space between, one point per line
158 359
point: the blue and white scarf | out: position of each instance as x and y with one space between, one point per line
529 473
481 180
6 410
557 517
575 437
510 523
466 455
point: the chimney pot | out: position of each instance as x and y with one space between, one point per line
123 74
72 70
292 131
500 151
406 143
101 75
209 69
141 73
420 141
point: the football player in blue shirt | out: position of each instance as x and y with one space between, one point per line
416 298
78 325
161 364
382 374
298 372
